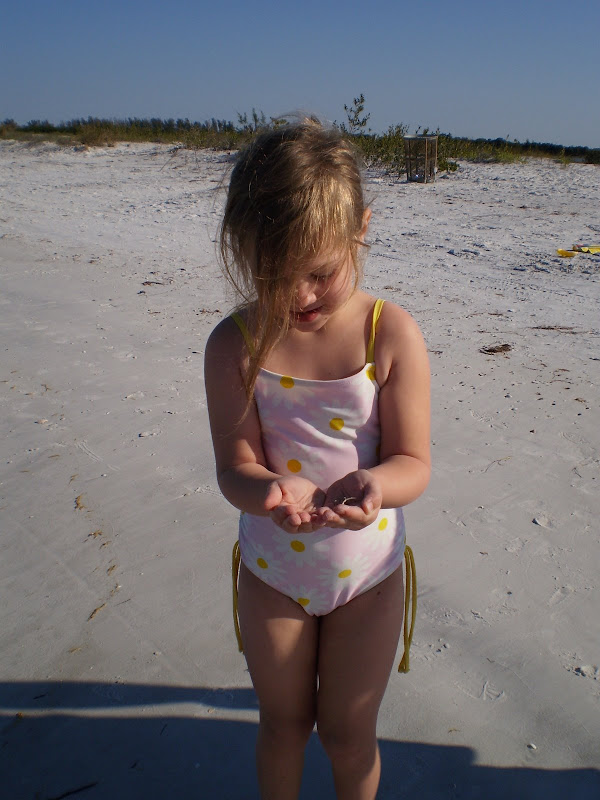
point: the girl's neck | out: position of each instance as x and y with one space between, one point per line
337 349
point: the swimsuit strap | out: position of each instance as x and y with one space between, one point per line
245 332
376 314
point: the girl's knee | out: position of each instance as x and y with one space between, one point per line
287 731
353 744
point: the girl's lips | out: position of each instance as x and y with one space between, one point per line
307 316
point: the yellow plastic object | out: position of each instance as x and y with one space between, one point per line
586 248
592 249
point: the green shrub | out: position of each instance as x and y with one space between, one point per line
384 150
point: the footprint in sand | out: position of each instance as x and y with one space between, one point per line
501 606
490 692
586 671
560 594
450 617
428 651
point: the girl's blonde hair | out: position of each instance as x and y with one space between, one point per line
294 194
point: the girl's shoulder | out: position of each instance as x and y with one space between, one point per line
396 321
398 340
226 340
393 323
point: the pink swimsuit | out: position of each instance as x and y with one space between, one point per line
321 430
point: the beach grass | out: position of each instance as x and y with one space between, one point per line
385 150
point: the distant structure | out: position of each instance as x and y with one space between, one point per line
420 155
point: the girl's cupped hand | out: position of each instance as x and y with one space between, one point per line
352 502
293 503
298 506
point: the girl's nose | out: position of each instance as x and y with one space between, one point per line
305 292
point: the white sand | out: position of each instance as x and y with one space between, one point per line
121 677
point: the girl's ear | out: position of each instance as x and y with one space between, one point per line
365 224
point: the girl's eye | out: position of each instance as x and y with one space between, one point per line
322 278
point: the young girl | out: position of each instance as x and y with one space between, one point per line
319 407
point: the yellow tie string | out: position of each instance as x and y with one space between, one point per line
410 605
235 571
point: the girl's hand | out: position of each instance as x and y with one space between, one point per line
352 502
293 504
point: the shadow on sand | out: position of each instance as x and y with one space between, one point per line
86 740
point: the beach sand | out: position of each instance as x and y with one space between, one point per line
119 667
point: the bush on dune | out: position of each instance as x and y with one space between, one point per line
384 150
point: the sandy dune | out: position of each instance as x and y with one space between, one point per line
120 672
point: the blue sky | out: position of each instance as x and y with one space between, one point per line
527 69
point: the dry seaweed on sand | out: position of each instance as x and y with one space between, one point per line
494 349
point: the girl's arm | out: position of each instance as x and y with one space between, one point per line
404 413
240 462
242 472
403 373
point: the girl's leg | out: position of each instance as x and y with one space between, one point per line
357 646
280 644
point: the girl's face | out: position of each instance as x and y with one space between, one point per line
324 285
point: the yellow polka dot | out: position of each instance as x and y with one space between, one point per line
299 547
304 601
336 424
262 563
286 382
293 465
371 372
345 573
383 524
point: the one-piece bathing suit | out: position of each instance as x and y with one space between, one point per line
321 430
